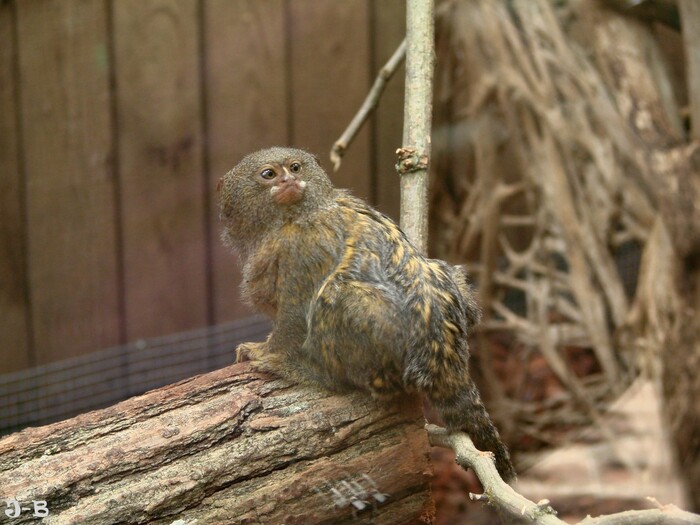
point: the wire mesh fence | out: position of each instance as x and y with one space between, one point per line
63 389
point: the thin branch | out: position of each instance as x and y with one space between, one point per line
368 106
496 491
502 496
666 515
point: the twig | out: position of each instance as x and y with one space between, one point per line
496 491
502 496
666 515
368 106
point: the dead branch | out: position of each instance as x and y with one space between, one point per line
552 153
666 515
502 496
368 106
496 491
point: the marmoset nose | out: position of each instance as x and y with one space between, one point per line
288 177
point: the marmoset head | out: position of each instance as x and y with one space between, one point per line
269 187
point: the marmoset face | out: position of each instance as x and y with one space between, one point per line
284 180
270 187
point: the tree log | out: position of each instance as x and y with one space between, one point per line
231 446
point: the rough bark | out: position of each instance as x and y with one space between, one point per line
231 446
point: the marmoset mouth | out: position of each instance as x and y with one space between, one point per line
288 192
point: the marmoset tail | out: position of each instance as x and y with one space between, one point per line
354 304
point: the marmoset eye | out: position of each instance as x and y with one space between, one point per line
267 174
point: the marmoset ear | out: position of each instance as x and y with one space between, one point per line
473 311
471 307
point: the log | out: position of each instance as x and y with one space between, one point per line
230 446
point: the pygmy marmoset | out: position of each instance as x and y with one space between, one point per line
353 302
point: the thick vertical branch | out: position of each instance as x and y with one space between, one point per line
413 156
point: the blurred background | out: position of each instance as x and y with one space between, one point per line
117 119
564 176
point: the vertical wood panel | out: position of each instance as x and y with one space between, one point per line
14 347
70 198
389 30
330 63
246 110
275 72
160 165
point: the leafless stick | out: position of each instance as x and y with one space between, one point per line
368 106
666 515
502 496
496 491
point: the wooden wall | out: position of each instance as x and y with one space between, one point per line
116 120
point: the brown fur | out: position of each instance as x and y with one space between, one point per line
354 304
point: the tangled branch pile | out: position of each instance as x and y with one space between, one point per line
561 154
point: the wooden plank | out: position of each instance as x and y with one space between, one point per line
246 94
330 66
65 109
389 30
14 344
160 165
